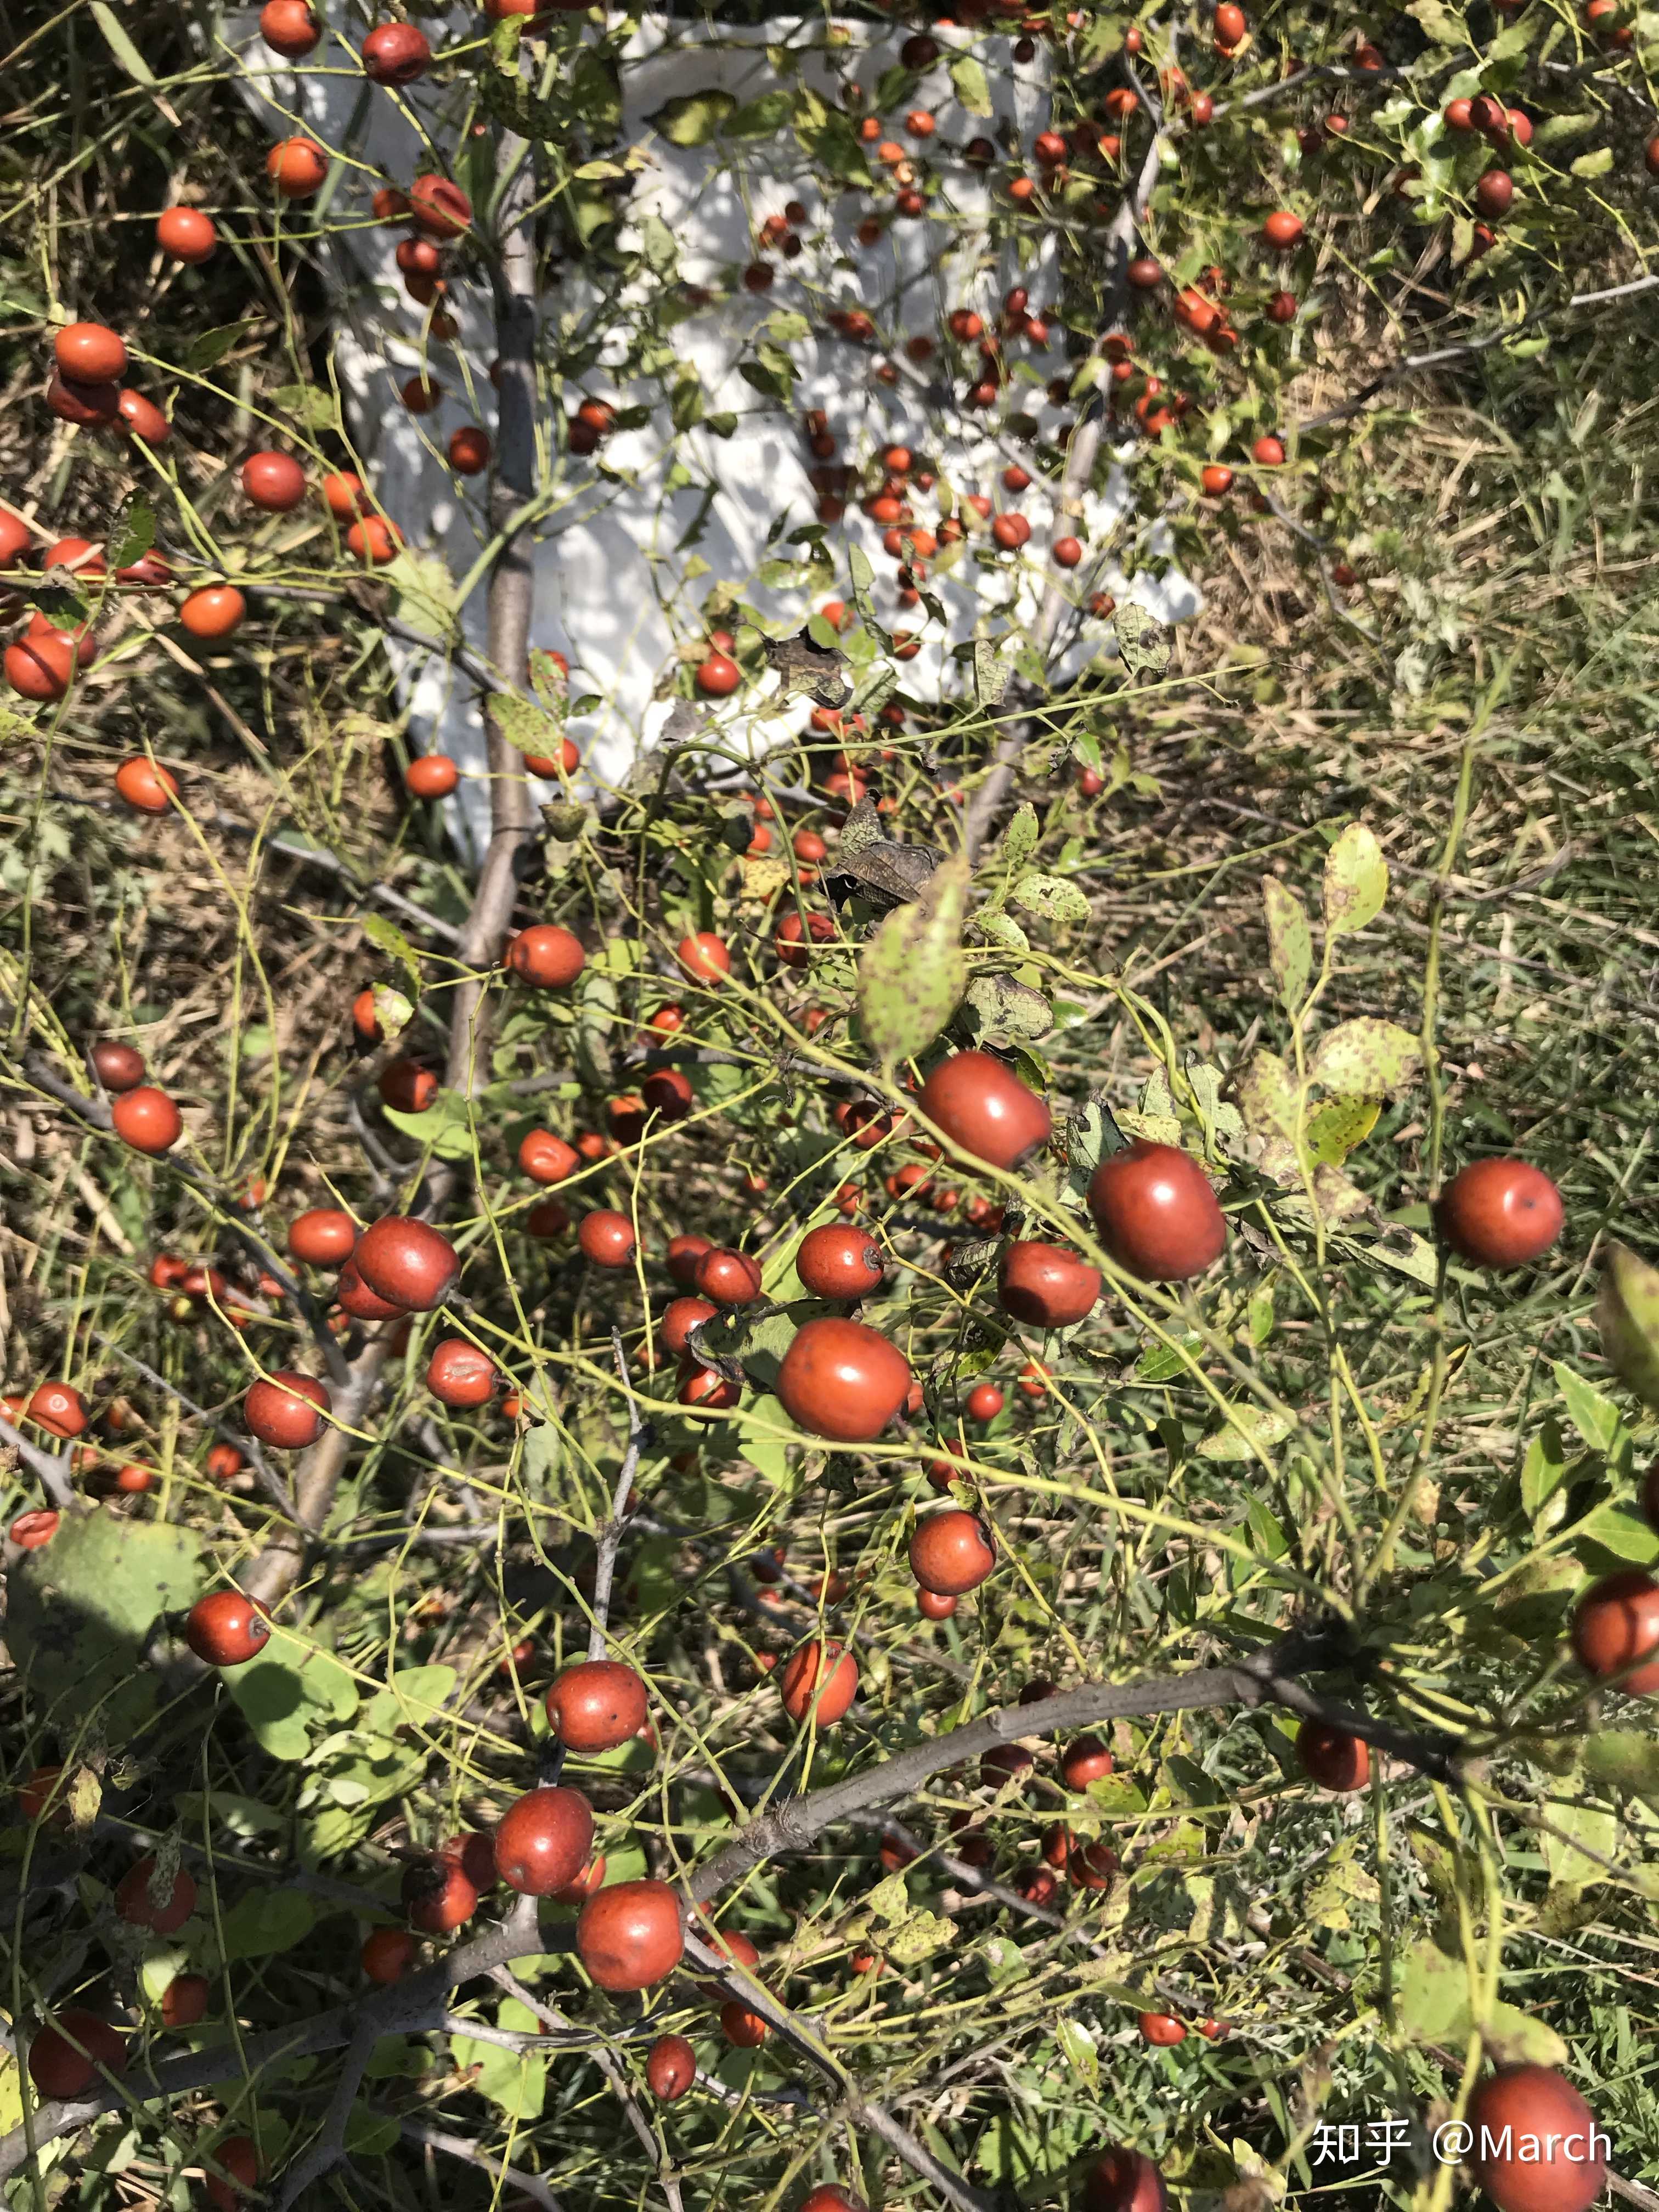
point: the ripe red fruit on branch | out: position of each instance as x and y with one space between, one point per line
408 1262
469 450
842 1380
1124 2180
546 1159
185 233
951 1553
146 1119
135 1904
838 1262
439 208
1086 1760
1268 452
438 1895
142 418
67 2051
630 1936
704 957
607 1238
88 353
288 27
324 1238
1230 26
1500 1213
296 166
214 611
140 783
274 482
820 1678
1332 1756
543 1841
226 1628
742 2026
58 1409
118 1066
730 1279
719 675
671 2067
1566 2169
984 1109
1282 229
388 1954
682 1255
460 1375
596 1705
240 2158
395 53
184 2001
1494 194
681 1317
1046 1285
1161 2029
546 955
985 1402
285 1410
831 2197
432 776
1156 1212
1615 1626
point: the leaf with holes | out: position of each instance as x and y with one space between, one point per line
1365 1058
1356 881
912 973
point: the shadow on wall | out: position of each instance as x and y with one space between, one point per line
633 539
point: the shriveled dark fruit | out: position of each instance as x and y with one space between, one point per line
1332 1756
596 1705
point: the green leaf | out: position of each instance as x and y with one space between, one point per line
1338 1127
1514 2037
1542 1473
134 535
386 936
760 119
1249 1431
920 1937
445 1128
1143 643
1002 1006
692 119
1595 164
972 89
1051 896
1431 1996
120 45
991 672
657 244
526 724
1595 1418
1356 881
1438 21
1621 1758
308 404
1627 1314
208 350
912 973
287 1690
414 1698
81 1611
515 2081
1582 1837
1365 1058
266 1922
1289 940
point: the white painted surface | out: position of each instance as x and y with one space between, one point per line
613 589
